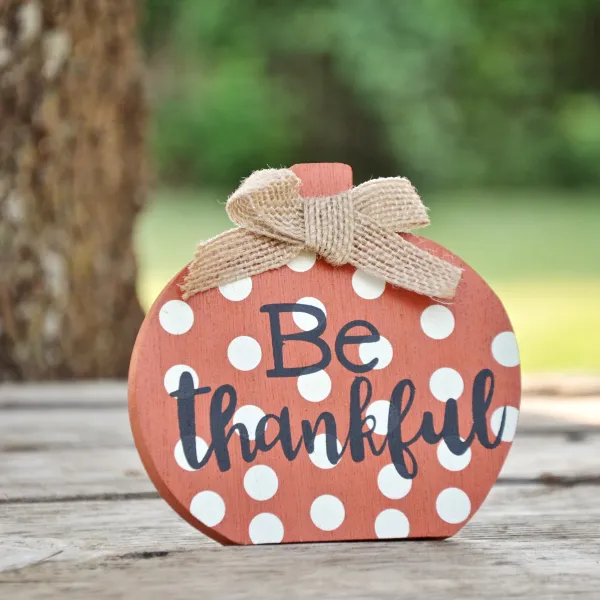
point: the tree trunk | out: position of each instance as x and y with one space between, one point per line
72 180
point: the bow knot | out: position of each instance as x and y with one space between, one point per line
359 227
329 227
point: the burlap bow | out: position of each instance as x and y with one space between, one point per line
358 227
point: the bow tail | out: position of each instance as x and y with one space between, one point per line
233 255
385 254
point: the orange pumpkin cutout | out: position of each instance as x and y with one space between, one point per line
407 449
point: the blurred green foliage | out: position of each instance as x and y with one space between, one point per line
451 93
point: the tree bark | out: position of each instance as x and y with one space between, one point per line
72 180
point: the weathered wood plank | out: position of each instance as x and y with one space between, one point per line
529 541
38 430
114 392
64 473
93 426
532 539
63 394
561 385
570 414
79 530
453 569
59 473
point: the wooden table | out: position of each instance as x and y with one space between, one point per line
80 519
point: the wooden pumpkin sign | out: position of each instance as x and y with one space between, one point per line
313 402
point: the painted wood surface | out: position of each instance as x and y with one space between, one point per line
537 538
321 472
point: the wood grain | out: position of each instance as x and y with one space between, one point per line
107 550
86 529
559 386
104 428
497 569
81 451
322 179
107 426
106 393
535 539
63 394
59 473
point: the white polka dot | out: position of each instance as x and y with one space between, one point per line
238 290
453 506
510 422
437 321
505 350
446 383
380 411
260 482
391 484
266 528
244 353
382 350
319 456
249 416
314 387
451 461
201 450
367 286
327 512
208 507
171 380
176 317
303 262
391 524
305 321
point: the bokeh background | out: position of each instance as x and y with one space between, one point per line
491 109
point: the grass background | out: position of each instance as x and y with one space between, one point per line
539 251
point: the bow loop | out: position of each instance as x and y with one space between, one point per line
269 203
393 202
359 227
